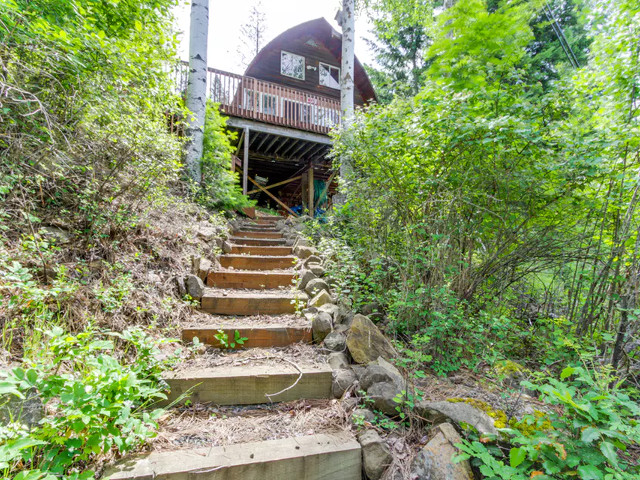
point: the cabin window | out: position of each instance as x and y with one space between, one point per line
329 76
292 65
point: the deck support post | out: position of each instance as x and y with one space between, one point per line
245 163
310 188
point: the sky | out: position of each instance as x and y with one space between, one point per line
226 17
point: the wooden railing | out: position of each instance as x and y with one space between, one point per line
248 97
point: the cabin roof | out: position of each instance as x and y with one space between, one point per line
322 31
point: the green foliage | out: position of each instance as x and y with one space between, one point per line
586 432
96 401
220 188
224 340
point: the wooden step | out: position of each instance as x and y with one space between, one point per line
250 384
314 457
252 234
254 262
258 250
259 228
257 337
248 279
250 303
262 242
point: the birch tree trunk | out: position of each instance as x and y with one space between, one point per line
197 87
347 22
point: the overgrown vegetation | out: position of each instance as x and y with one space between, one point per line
493 217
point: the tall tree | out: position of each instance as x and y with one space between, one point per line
402 36
197 86
346 19
253 34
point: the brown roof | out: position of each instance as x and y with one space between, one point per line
323 32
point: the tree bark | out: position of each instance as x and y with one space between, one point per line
196 100
347 72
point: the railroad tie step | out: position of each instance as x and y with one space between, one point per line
249 279
221 302
312 457
276 251
259 242
268 336
254 262
250 384
254 234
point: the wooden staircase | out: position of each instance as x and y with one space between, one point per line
256 279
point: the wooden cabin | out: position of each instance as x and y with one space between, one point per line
283 108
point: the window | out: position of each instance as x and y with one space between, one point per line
329 76
292 65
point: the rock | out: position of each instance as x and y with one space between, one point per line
304 252
309 311
317 270
342 380
28 411
375 454
435 460
331 309
194 286
381 371
366 342
348 403
383 395
338 360
305 277
336 342
59 235
316 285
182 288
341 328
320 299
301 242
370 308
204 267
153 277
457 412
312 260
364 414
321 326
207 233
226 247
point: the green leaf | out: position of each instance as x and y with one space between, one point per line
609 451
567 372
138 25
589 472
590 434
517 456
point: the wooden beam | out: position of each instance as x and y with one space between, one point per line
307 150
275 139
240 143
277 130
277 184
304 145
326 188
310 188
293 144
284 142
266 136
277 200
245 166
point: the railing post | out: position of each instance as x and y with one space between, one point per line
245 163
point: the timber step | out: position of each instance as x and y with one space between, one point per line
263 242
250 303
276 251
312 457
254 262
259 228
249 279
257 337
250 384
254 234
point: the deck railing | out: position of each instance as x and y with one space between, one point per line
268 102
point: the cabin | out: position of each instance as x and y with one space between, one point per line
283 108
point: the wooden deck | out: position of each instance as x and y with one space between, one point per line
250 98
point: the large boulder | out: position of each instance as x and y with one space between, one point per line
226 247
336 342
305 277
316 285
375 454
317 269
458 412
321 326
304 252
366 342
342 380
204 267
381 371
383 396
312 260
435 460
331 309
338 360
320 299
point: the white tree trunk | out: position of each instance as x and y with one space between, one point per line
347 72
197 87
